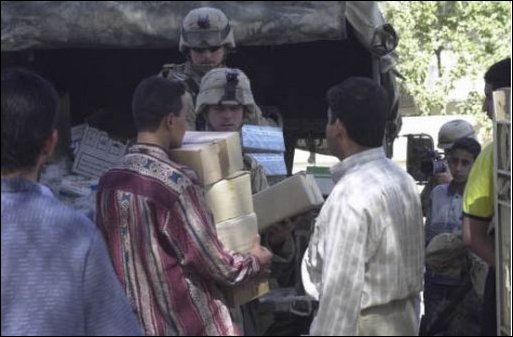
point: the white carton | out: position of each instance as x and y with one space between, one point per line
96 153
213 155
231 197
238 235
256 138
288 198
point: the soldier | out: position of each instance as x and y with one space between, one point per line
206 38
225 102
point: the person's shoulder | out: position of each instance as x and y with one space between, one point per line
60 220
174 71
152 162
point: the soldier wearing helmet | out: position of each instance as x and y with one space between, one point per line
449 133
206 37
225 102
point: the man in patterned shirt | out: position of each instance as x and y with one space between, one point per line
160 231
365 260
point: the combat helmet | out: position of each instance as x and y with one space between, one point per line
226 86
205 27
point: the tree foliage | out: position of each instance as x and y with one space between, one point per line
475 34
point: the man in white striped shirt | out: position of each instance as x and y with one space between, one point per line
366 256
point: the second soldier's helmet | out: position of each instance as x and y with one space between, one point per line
452 131
226 86
206 27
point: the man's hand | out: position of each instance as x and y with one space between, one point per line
441 178
263 256
280 232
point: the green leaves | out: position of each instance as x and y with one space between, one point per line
441 42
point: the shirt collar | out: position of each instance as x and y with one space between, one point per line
360 158
150 149
162 154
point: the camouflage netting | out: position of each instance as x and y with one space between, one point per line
156 24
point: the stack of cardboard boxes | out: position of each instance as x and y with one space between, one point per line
217 159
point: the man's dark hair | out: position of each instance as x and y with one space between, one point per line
362 105
154 98
29 105
468 144
499 74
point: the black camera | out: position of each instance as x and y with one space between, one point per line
433 163
422 160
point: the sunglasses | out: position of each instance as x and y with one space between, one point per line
202 50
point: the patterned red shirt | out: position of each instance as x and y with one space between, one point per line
164 246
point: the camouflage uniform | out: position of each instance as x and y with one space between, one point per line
258 178
203 27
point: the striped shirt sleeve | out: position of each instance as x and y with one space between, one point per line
191 232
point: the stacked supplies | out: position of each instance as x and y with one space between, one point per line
217 159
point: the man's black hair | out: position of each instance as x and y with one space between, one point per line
29 105
362 105
468 144
155 98
499 74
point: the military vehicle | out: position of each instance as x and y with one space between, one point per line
96 53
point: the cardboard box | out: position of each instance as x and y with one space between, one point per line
231 197
77 133
96 152
256 138
273 163
213 155
288 198
230 154
238 235
203 159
